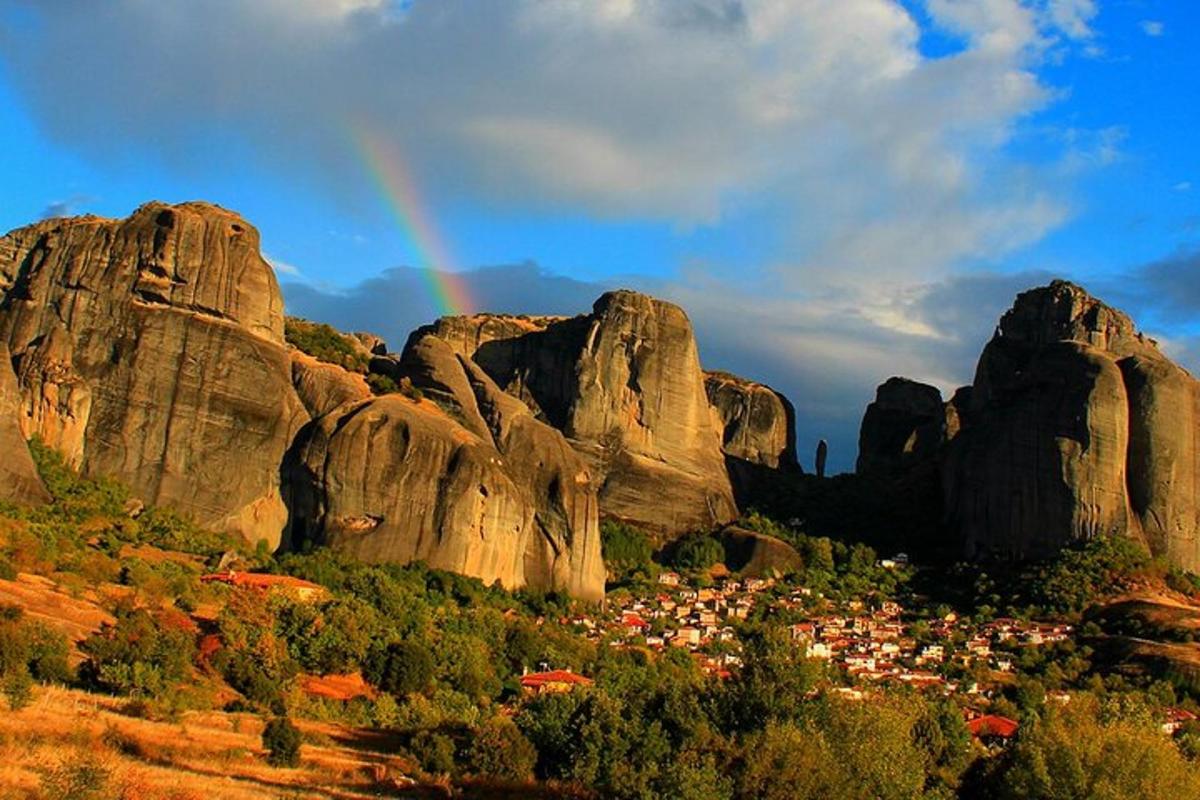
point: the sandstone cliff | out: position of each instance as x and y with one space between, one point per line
757 424
1076 426
624 385
19 480
150 350
465 479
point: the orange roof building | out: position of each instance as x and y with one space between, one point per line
993 726
558 680
305 590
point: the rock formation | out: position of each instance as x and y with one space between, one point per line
19 480
324 387
151 350
757 424
625 387
464 479
755 554
906 423
1076 426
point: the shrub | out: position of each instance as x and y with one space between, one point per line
282 740
626 549
382 384
697 552
324 343
498 749
142 654
404 668
79 776
17 685
434 751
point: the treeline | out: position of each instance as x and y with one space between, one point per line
443 656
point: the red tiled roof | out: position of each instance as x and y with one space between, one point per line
257 580
536 679
1179 715
993 725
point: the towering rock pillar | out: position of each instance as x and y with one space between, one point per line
150 350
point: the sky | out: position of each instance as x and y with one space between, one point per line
836 191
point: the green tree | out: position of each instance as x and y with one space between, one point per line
403 668
498 749
281 738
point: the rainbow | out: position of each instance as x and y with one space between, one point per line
396 184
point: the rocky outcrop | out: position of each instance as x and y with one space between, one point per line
905 424
1076 426
323 387
19 479
757 424
151 350
624 385
758 555
464 479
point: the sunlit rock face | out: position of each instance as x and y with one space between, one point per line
757 423
624 386
150 350
19 480
462 477
1076 426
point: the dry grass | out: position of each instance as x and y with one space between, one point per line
76 615
203 755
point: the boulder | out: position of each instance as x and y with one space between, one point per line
322 387
150 350
624 385
19 479
464 479
1076 426
757 555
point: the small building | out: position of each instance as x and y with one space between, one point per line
300 589
1176 718
993 728
553 682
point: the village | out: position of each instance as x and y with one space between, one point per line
864 641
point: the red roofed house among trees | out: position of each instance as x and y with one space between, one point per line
992 726
303 590
555 681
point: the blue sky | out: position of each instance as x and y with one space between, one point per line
836 190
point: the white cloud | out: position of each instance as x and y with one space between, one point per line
1153 28
283 267
1183 186
679 110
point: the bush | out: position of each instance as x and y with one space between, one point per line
404 668
81 777
382 384
142 654
626 549
282 740
498 749
325 343
697 552
17 685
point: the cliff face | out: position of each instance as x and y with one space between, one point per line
150 349
624 385
19 480
1076 426
465 479
758 424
